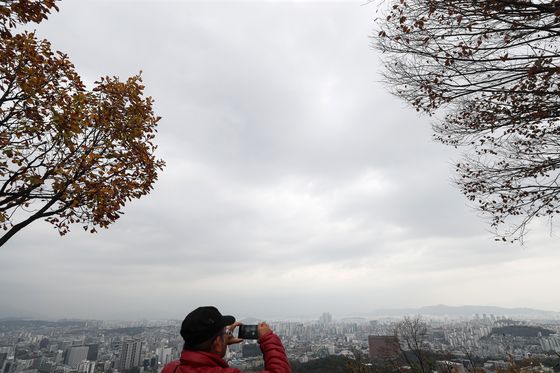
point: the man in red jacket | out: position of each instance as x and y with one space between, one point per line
207 334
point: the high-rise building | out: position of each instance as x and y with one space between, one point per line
47 366
75 355
250 350
8 366
154 362
326 318
93 350
44 343
131 352
86 367
165 355
9 350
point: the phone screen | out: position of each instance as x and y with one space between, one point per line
248 332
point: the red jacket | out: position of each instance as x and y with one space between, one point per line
275 360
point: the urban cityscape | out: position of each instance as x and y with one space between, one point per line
486 342
296 163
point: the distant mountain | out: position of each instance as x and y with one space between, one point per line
441 311
357 320
9 312
12 323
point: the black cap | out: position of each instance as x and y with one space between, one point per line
202 324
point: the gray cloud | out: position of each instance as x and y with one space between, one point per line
294 184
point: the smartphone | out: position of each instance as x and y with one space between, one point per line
248 332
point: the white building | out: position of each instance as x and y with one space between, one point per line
131 355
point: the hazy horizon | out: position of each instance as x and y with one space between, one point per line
382 313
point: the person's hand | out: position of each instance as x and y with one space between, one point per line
230 339
263 329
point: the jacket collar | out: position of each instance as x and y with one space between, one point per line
201 358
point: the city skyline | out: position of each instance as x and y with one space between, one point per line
433 312
485 341
295 183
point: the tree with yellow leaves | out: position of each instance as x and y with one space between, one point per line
67 154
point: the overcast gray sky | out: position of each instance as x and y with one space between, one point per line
295 184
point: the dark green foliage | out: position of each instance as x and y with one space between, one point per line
521 331
330 364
